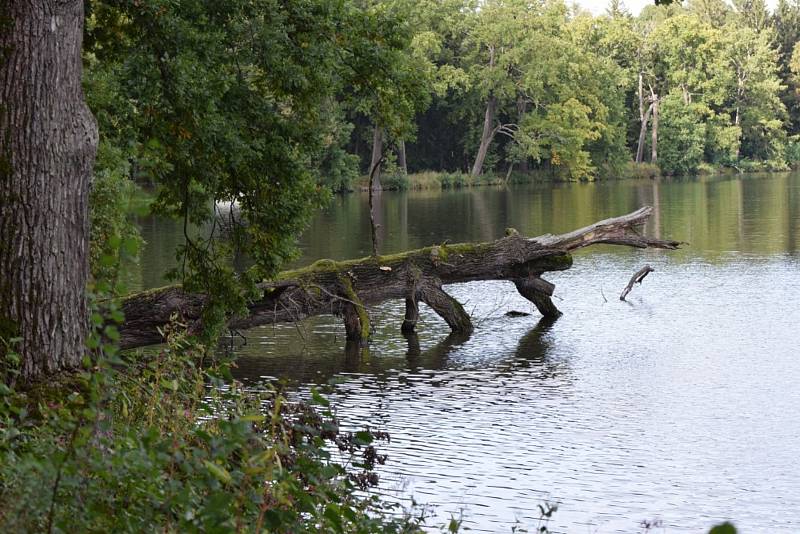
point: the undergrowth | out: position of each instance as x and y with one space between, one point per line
168 441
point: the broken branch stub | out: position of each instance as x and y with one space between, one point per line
637 278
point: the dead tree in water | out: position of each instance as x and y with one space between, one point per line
346 288
637 278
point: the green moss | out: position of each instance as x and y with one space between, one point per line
319 266
361 310
560 263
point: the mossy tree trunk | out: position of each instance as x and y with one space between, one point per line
346 288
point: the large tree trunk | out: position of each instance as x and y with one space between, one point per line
48 140
642 122
346 288
377 154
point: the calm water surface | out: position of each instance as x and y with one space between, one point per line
682 404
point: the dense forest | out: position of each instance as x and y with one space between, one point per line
472 87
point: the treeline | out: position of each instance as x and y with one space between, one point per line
523 85
444 85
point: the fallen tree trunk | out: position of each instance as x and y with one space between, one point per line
346 288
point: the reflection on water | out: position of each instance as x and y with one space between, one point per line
680 404
753 214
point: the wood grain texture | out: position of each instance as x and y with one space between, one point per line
48 141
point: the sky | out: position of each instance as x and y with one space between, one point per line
634 6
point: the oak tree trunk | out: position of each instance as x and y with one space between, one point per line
48 140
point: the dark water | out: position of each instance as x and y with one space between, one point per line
682 404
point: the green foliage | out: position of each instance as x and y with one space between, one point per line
640 170
113 236
164 441
239 101
394 182
793 152
723 528
683 135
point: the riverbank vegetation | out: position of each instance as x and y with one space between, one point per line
167 441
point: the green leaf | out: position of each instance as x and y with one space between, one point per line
108 260
318 399
723 528
364 437
219 472
130 245
253 418
332 515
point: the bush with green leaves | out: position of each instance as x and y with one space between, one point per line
167 441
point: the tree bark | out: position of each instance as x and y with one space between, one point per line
654 142
637 278
539 292
411 317
377 155
642 133
48 141
401 157
346 288
486 137
642 122
488 126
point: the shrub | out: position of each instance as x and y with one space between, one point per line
793 152
641 170
394 182
165 441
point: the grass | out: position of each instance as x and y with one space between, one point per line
436 180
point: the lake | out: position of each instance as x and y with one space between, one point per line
681 404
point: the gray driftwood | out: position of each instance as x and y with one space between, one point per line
637 278
346 288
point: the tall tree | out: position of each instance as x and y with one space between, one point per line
786 22
753 13
48 140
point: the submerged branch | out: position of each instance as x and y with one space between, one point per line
637 278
